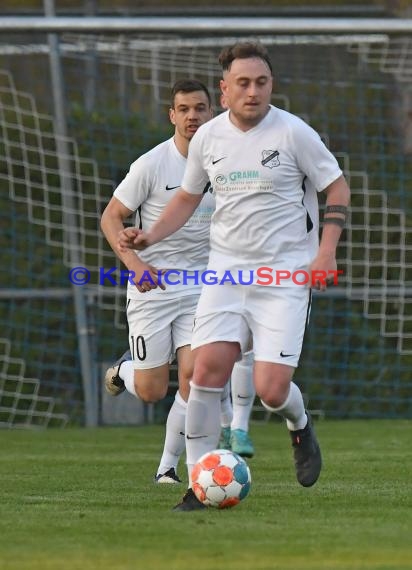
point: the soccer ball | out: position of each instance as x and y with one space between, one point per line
221 479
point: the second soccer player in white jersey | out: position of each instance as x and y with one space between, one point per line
161 319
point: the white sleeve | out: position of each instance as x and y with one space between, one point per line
195 177
314 158
134 189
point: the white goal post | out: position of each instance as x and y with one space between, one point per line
222 25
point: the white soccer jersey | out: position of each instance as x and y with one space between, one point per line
260 178
150 184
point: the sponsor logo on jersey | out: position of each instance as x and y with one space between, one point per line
172 187
243 175
218 159
236 176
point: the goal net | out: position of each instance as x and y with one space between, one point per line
355 90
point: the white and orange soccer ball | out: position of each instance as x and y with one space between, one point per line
221 479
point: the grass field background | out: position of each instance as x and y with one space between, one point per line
84 499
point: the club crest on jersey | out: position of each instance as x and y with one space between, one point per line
270 158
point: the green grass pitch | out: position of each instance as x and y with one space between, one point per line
84 499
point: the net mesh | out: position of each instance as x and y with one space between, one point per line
355 90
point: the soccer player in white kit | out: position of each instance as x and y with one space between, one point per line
161 320
260 161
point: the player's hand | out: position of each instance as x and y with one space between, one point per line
132 238
147 278
323 271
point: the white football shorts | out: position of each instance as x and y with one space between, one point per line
274 318
158 327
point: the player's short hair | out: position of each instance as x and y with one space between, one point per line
243 50
188 86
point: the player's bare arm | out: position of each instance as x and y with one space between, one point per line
173 217
337 201
112 222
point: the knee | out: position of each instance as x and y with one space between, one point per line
151 394
199 373
151 385
274 394
209 373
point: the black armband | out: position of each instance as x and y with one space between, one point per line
336 209
338 221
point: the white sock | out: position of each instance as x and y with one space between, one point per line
292 409
202 423
226 410
126 373
243 392
174 444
